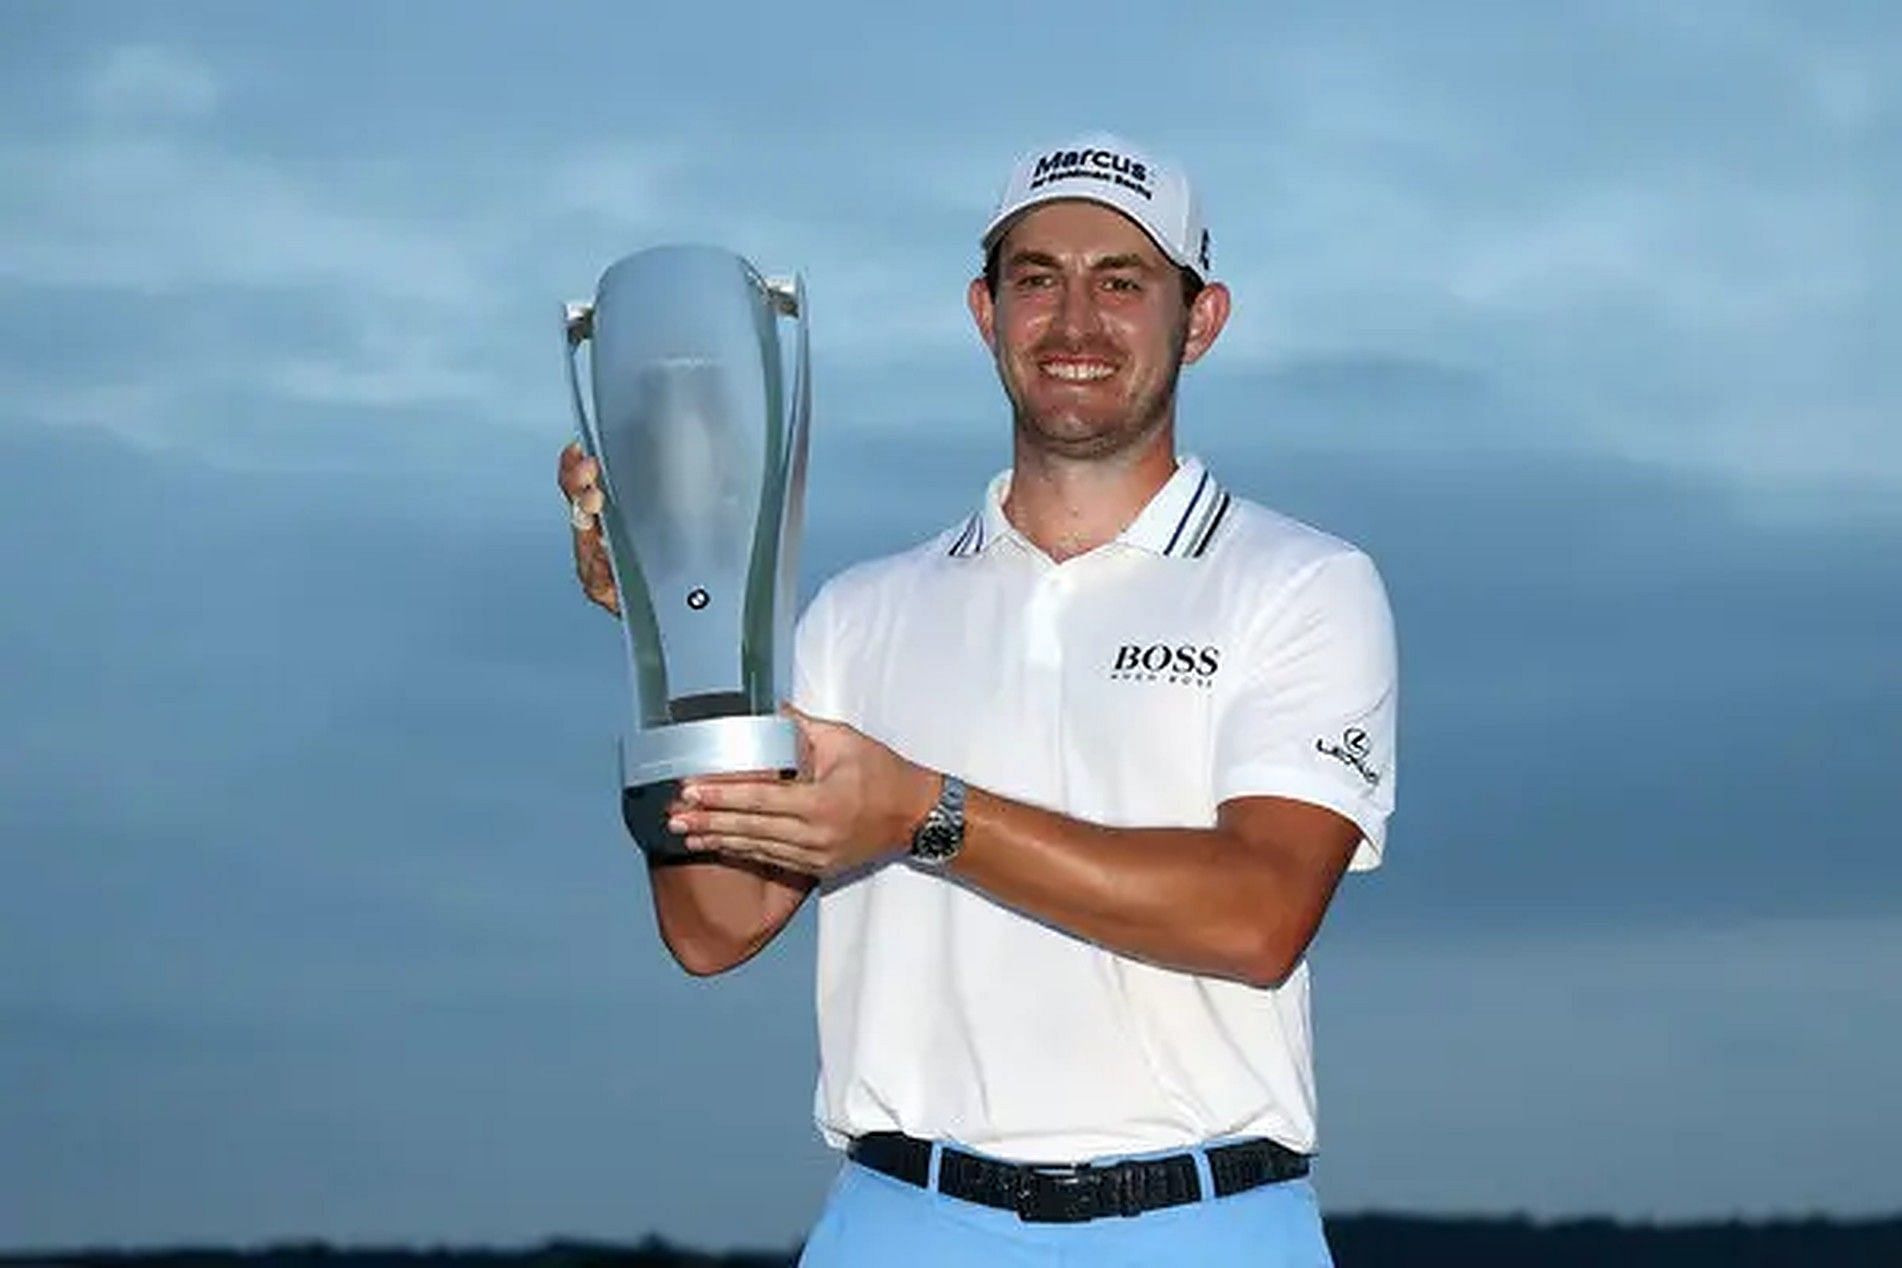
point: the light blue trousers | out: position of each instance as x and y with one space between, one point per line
871 1218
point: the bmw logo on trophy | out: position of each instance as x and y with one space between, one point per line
699 427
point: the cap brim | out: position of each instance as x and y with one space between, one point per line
1001 222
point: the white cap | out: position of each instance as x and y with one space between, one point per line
1106 169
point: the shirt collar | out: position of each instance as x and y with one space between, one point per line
1179 521
1182 517
986 526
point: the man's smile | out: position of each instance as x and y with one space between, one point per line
1076 369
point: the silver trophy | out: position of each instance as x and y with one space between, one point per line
700 431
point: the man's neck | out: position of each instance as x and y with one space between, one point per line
1070 506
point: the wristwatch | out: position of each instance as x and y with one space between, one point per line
937 840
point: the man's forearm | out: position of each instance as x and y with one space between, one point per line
1240 900
715 914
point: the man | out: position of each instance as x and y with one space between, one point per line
1084 771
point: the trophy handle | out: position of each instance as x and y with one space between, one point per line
790 298
577 323
636 608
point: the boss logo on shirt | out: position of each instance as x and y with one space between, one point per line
1185 664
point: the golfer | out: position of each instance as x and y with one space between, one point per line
1084 771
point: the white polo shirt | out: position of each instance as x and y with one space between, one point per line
1214 650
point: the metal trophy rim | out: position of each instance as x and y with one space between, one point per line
711 746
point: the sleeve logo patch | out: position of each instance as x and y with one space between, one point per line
1354 750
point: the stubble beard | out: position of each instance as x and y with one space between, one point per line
1072 441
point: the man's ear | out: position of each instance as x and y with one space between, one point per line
983 312
1207 315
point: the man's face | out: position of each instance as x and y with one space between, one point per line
1089 328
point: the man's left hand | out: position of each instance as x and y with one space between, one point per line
855 802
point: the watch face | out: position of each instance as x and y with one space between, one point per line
936 841
932 843
942 832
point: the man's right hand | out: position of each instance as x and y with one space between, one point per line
580 478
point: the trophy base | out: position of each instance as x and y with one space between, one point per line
654 762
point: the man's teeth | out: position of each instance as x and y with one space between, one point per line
1078 371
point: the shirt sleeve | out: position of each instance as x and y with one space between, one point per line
815 690
1314 718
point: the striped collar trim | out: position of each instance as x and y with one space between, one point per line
971 537
1180 521
987 524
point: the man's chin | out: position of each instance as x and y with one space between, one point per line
1073 414
1071 435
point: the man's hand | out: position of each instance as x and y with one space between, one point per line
855 802
580 478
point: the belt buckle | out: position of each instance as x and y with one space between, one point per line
1058 1195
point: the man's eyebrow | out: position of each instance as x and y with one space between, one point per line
1038 259
1101 264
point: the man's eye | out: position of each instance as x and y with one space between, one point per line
1123 285
1032 281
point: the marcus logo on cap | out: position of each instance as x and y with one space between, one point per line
1106 169
1101 165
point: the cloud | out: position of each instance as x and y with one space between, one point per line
1846 92
1645 227
158 213
433 285
145 82
623 183
125 219
1637 258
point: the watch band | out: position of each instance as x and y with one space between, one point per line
937 840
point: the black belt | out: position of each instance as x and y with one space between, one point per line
1072 1193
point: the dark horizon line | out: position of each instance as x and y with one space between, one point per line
317 1245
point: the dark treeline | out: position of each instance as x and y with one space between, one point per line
1378 1241
1359 1241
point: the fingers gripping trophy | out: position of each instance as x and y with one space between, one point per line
693 462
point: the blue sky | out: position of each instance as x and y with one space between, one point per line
315 913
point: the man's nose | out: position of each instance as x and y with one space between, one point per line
1077 313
